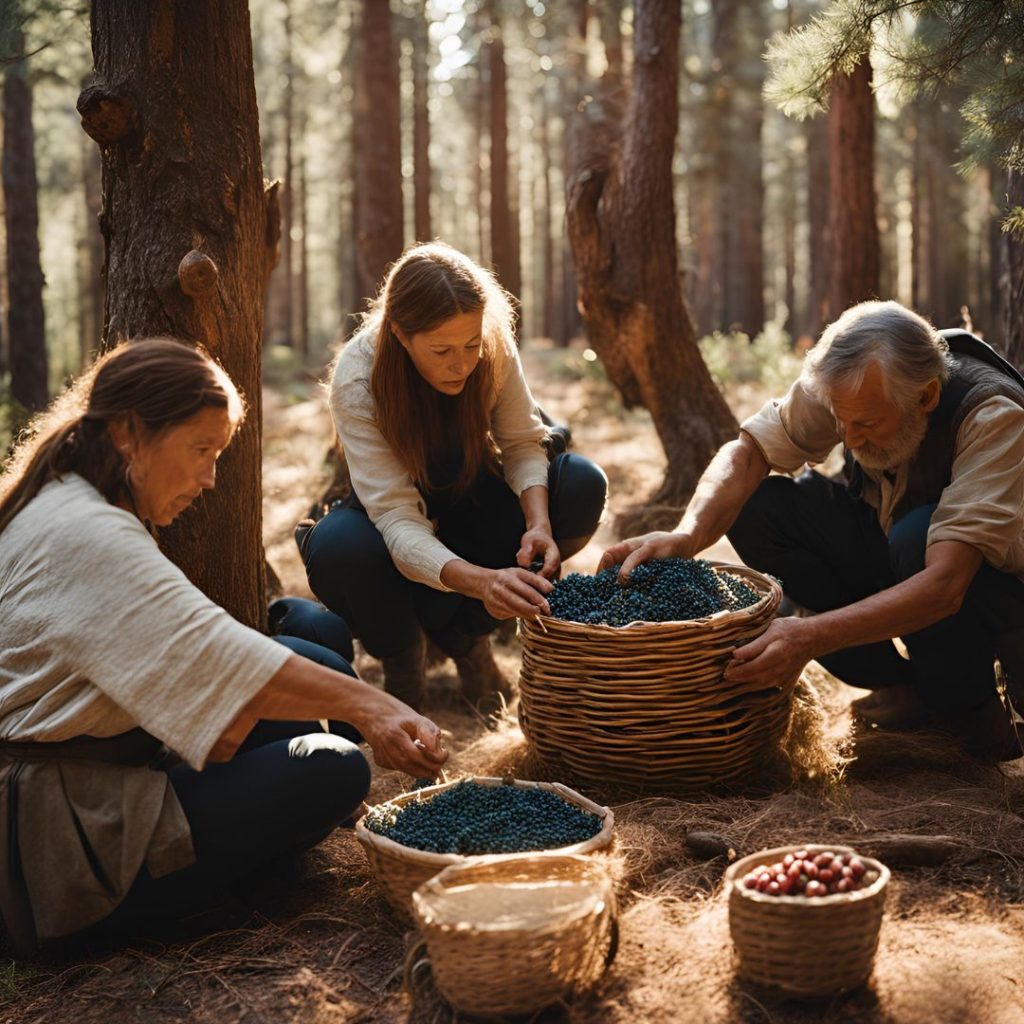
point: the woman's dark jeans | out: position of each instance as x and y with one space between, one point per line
286 788
829 551
351 571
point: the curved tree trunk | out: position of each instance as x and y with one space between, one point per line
621 221
174 112
26 325
853 226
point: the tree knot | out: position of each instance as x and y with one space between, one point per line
108 115
197 273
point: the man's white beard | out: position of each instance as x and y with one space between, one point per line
902 448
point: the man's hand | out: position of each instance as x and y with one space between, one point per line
776 657
508 593
539 544
405 741
635 550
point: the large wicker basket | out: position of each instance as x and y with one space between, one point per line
806 946
647 706
401 869
510 962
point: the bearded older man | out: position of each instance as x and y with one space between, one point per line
923 539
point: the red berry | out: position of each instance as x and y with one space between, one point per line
777 868
847 872
815 888
800 855
857 867
785 883
826 875
844 885
847 857
810 869
823 860
773 889
836 866
750 882
762 883
795 869
788 860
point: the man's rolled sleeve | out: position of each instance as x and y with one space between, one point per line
793 430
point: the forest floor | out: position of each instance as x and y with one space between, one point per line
315 942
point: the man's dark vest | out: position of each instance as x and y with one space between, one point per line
978 373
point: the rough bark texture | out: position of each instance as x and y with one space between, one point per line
504 257
1012 279
187 176
853 226
26 330
378 206
819 245
285 274
621 220
421 127
90 270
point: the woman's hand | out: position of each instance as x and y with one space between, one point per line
508 593
776 657
635 550
539 544
405 741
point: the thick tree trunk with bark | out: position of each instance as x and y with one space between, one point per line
421 127
1012 279
853 226
90 271
26 329
191 236
285 275
621 220
378 208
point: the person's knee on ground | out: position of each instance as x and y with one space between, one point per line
578 490
309 620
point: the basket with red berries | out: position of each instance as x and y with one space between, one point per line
805 919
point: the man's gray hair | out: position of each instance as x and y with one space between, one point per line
907 349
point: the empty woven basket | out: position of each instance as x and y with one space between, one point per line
806 946
647 706
400 869
512 935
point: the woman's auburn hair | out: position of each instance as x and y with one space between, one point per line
150 383
428 285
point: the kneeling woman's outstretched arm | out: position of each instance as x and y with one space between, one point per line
302 690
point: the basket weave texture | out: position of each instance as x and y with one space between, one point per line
647 706
401 869
806 946
503 968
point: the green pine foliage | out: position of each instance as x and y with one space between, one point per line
918 44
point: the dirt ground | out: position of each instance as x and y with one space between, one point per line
314 941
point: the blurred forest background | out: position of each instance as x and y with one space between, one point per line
393 122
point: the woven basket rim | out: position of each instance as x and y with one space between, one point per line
767 584
443 860
732 879
583 910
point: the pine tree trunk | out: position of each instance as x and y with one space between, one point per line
174 112
347 294
1012 278
548 288
819 247
379 231
854 264
26 328
286 271
621 221
302 269
421 127
503 255
91 261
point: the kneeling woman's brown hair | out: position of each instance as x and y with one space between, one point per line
154 383
428 285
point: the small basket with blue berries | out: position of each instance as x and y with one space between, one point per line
412 837
625 684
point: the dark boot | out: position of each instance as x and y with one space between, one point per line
988 733
405 674
895 707
483 683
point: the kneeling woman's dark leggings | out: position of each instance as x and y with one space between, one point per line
286 788
351 571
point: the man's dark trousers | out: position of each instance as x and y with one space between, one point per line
829 551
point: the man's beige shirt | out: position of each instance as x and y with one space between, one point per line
984 503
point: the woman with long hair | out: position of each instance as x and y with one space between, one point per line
458 518
153 749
